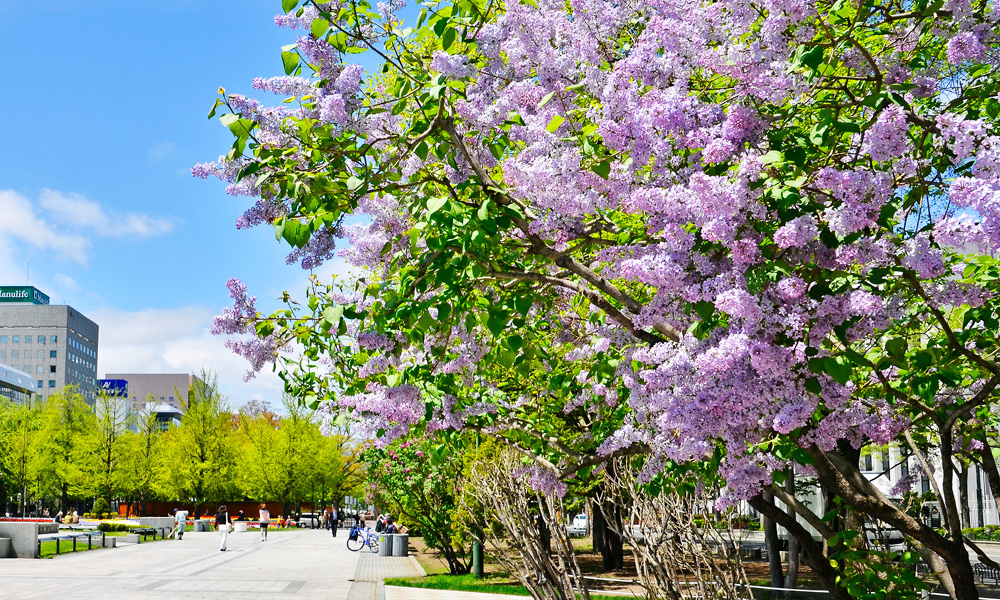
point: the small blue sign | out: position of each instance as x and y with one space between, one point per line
114 387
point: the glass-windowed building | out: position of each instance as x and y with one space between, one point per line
55 344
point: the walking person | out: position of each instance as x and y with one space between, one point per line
265 520
224 524
333 521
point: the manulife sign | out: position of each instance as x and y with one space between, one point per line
22 293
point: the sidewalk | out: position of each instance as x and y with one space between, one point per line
300 565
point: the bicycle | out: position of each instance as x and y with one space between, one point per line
360 537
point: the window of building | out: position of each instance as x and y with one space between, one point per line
3 339
52 383
41 339
40 354
52 368
27 339
39 368
16 339
13 354
27 369
52 353
3 354
39 384
866 462
54 339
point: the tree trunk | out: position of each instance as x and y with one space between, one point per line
613 550
963 495
772 543
599 527
792 574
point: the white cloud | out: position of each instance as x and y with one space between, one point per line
22 223
177 341
66 282
161 150
77 211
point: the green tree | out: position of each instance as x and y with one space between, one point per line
144 471
200 454
418 482
105 470
61 456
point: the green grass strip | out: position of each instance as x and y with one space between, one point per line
468 583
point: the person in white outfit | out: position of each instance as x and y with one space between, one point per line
265 520
224 524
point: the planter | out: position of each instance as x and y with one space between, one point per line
240 527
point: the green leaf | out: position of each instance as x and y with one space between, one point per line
836 368
289 60
319 27
771 157
214 106
555 123
332 315
704 309
546 99
497 321
422 17
434 204
288 5
421 150
603 169
448 38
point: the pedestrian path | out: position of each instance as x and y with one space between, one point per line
305 564
292 565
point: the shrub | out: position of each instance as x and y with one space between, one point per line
101 508
113 527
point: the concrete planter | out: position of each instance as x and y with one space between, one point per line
240 526
202 525
6 548
133 538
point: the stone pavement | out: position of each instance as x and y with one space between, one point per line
306 564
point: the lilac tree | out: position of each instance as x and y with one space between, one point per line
754 232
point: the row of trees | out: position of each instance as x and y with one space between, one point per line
63 454
742 239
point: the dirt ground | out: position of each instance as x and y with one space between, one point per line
591 566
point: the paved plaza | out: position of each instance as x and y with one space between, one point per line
304 564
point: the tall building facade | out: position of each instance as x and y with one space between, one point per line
55 344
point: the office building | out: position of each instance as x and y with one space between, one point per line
152 389
55 344
16 385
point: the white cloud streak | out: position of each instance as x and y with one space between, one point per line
76 211
177 341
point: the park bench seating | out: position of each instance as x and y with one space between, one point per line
58 537
986 574
144 531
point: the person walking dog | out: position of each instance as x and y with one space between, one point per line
224 524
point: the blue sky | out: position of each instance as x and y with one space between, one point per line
104 109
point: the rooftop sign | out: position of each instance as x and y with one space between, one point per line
22 293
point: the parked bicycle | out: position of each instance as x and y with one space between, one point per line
359 537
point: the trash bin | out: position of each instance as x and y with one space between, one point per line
202 525
401 545
385 544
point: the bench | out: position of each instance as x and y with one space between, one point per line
986 573
69 536
144 531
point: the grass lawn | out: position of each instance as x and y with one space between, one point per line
48 549
468 583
